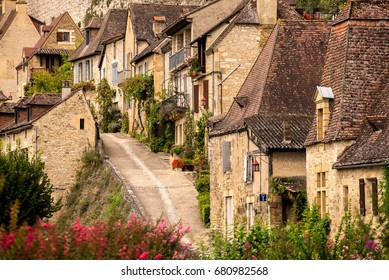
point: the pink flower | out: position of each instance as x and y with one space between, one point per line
306 235
144 256
158 257
253 258
9 241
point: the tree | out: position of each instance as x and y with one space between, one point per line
25 189
109 113
45 82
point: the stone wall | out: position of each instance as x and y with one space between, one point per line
46 10
320 158
59 140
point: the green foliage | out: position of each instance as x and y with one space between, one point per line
178 150
307 239
125 123
85 85
92 158
384 210
45 82
24 187
109 113
202 186
330 6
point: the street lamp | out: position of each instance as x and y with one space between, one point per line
255 165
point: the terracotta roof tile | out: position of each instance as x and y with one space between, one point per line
371 147
357 71
364 9
277 85
2 96
270 131
45 99
7 108
114 24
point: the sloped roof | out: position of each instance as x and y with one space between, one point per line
356 69
2 96
50 29
6 23
277 85
269 131
114 24
7 108
45 99
372 147
142 17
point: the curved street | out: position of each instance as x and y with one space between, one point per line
158 190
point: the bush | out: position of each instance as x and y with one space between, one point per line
25 188
133 240
202 183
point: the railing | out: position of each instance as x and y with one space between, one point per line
175 106
178 59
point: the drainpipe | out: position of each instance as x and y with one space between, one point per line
213 81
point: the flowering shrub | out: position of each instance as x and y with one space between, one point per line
135 240
178 163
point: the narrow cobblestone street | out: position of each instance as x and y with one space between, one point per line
158 190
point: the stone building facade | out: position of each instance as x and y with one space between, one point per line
58 38
60 136
265 129
18 29
347 145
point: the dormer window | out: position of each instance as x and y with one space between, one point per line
323 99
87 35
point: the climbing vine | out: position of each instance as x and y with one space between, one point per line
109 114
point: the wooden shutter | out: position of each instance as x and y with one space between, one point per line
206 93
226 156
60 37
374 196
196 98
76 78
362 205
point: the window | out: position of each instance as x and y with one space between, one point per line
248 168
80 72
345 198
374 196
206 93
229 217
87 74
226 156
146 67
29 114
63 37
114 73
320 133
321 180
362 206
41 60
82 124
196 98
140 71
87 35
201 52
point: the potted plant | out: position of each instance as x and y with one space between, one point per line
194 66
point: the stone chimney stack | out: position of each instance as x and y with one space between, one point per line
159 24
21 7
267 11
66 88
7 6
287 131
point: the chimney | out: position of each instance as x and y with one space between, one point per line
287 131
159 24
66 88
267 11
21 7
8 6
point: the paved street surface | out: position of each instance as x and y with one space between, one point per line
159 190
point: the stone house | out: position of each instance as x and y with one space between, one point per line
58 38
87 56
348 144
260 139
183 32
6 111
144 43
58 128
17 29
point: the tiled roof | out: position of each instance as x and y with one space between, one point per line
6 23
45 99
114 24
372 147
2 96
269 131
285 11
95 23
356 69
149 50
50 29
7 108
364 9
142 17
277 84
23 102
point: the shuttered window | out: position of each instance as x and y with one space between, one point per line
374 196
362 205
248 169
206 93
84 71
196 98
226 156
